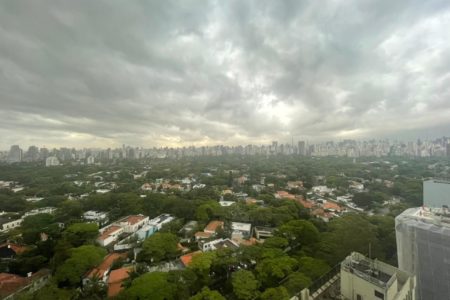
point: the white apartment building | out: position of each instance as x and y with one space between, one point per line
366 279
51 161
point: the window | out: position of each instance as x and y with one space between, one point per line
358 297
379 295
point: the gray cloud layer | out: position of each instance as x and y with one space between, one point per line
102 73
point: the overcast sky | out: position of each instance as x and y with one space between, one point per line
175 73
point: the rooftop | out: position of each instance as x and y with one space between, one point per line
435 216
187 259
105 265
213 226
108 231
370 270
133 219
116 277
241 226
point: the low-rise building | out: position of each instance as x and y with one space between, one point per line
109 235
241 229
9 223
34 199
263 232
213 226
363 278
218 244
12 285
42 210
98 217
101 271
132 223
187 258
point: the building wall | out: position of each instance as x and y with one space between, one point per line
11 225
436 193
352 285
424 249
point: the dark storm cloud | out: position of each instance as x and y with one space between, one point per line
206 72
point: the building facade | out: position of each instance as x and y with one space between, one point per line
423 249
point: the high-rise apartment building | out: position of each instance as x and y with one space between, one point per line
15 154
302 148
423 249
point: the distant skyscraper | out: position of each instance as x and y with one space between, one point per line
302 148
448 150
423 249
15 154
32 153
43 153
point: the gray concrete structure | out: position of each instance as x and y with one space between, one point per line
423 249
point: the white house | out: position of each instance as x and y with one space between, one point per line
218 244
243 229
109 235
132 223
8 224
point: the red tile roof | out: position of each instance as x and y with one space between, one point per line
11 283
213 226
306 203
187 259
106 264
332 206
116 277
109 231
133 219
202 235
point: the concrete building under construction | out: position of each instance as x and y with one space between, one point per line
423 248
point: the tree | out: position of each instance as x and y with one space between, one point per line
80 261
49 292
245 285
352 232
201 265
296 282
153 286
160 246
279 293
276 242
81 233
33 225
313 267
299 232
207 294
272 270
223 262
95 289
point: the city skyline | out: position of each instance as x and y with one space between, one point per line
107 73
347 148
